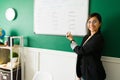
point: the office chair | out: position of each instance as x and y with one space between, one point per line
42 76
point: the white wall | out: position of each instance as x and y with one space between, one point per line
61 64
112 67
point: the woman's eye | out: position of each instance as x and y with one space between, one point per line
94 21
89 22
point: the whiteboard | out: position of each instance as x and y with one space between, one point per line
57 17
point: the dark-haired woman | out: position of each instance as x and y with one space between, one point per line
89 65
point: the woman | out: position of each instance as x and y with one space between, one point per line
89 65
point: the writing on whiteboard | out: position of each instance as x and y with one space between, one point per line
56 17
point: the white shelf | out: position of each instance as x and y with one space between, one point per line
7 47
12 46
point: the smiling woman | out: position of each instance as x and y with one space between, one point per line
89 65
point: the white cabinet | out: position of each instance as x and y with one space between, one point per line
13 68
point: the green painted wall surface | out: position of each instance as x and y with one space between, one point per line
23 25
110 12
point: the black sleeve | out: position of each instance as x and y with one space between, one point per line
95 44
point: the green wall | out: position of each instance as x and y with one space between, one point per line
23 25
110 12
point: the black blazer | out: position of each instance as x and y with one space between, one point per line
89 64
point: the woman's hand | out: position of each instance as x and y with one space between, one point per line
69 36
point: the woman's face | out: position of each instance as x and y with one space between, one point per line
93 24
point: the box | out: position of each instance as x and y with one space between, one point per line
5 74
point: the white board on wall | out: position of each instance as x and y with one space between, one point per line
57 17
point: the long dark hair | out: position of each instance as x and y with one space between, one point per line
98 16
